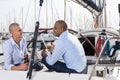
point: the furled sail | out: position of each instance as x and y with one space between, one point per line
94 6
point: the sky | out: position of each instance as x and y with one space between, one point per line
77 17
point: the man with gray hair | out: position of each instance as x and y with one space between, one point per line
15 49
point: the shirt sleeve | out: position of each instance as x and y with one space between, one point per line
56 54
7 50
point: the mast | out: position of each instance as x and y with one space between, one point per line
52 11
105 14
27 14
14 15
9 17
46 15
64 10
119 17
70 17
22 18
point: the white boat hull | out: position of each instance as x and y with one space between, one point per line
39 75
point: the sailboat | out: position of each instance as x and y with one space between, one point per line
101 65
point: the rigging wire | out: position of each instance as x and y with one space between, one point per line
27 14
39 13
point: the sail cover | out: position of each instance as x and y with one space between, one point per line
94 6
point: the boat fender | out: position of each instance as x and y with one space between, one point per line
100 43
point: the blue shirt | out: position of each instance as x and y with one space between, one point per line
13 54
71 50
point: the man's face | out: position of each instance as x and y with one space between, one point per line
57 30
17 32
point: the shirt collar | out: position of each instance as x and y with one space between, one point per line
12 40
63 34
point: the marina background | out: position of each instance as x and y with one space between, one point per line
25 12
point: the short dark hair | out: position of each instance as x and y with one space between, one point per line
62 23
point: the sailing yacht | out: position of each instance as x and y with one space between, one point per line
103 63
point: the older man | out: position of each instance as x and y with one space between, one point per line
15 49
68 47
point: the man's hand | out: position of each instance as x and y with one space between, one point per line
22 67
44 53
26 59
51 47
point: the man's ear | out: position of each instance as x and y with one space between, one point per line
13 33
62 29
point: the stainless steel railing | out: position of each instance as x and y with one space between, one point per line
98 59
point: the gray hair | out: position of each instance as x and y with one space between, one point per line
12 25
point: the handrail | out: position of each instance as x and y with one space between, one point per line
42 30
102 50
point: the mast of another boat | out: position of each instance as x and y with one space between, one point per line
14 15
64 10
9 18
22 17
52 12
119 18
105 14
70 17
46 14
102 18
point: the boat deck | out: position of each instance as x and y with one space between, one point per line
16 75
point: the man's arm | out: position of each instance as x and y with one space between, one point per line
7 50
56 54
51 47
44 53
22 67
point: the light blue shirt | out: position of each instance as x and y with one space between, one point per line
13 54
71 50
